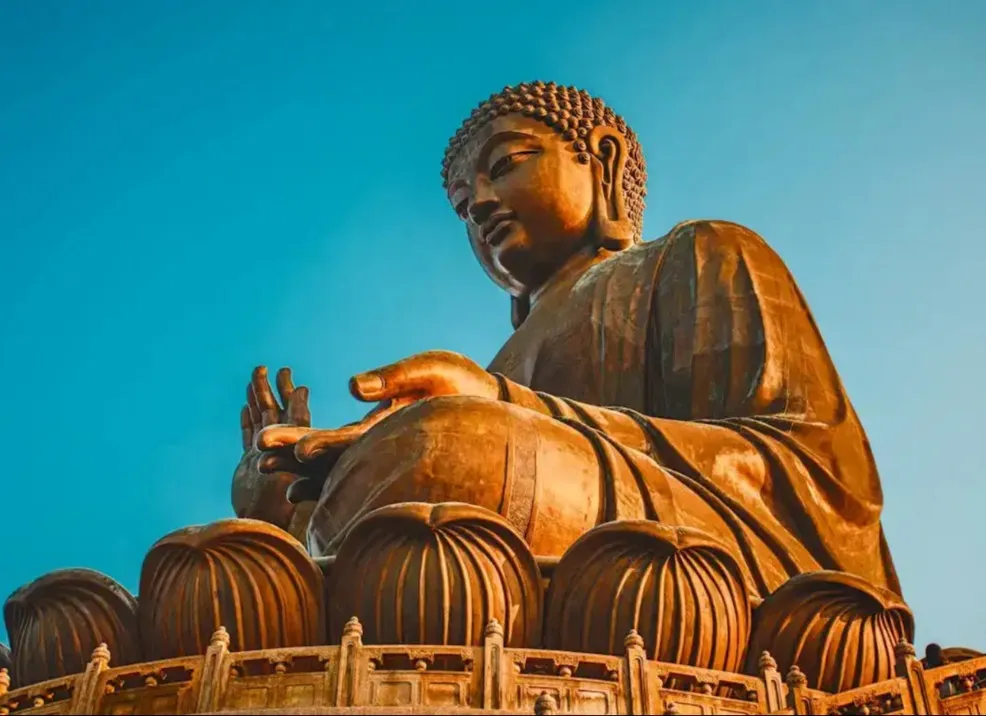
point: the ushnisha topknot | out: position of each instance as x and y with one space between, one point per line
573 113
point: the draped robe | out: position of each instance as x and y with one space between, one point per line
693 368
710 363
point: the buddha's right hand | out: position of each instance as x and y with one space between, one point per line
261 480
284 448
312 453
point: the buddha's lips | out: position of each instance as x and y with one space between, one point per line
495 228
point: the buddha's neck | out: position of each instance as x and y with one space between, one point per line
569 273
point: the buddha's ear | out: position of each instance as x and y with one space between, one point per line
614 230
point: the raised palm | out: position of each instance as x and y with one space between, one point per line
263 409
260 492
312 453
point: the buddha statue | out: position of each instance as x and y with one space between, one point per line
666 409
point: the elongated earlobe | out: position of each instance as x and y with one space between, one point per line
613 228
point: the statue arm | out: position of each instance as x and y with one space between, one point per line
730 457
673 444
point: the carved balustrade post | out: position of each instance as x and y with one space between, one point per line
215 673
640 699
545 705
909 668
88 689
347 682
797 692
773 683
493 665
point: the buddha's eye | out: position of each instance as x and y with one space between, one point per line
507 162
462 209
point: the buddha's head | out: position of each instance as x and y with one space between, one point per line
539 173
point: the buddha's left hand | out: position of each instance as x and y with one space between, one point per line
426 375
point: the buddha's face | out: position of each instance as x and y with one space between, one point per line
526 199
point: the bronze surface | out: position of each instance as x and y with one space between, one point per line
658 482
681 381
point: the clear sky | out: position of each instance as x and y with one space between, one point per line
188 189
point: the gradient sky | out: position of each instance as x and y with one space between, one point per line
192 188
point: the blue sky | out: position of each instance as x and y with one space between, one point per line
191 188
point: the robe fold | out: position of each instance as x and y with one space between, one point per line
697 352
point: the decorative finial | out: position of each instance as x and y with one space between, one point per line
101 653
766 661
493 628
353 628
4 681
633 639
545 704
796 678
219 637
904 649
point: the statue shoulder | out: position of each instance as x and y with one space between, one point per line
717 237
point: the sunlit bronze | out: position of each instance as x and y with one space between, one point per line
244 575
657 483
57 620
681 381
264 496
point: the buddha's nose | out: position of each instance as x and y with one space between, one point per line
484 201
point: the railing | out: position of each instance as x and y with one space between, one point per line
334 679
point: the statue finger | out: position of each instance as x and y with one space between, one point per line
297 408
269 409
275 437
285 386
255 417
246 428
321 442
282 461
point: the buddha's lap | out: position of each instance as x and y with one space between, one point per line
540 474
546 478
536 472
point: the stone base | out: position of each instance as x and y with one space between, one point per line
451 602
354 678
299 711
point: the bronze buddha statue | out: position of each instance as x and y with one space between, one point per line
679 387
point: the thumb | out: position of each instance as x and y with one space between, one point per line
370 386
419 375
